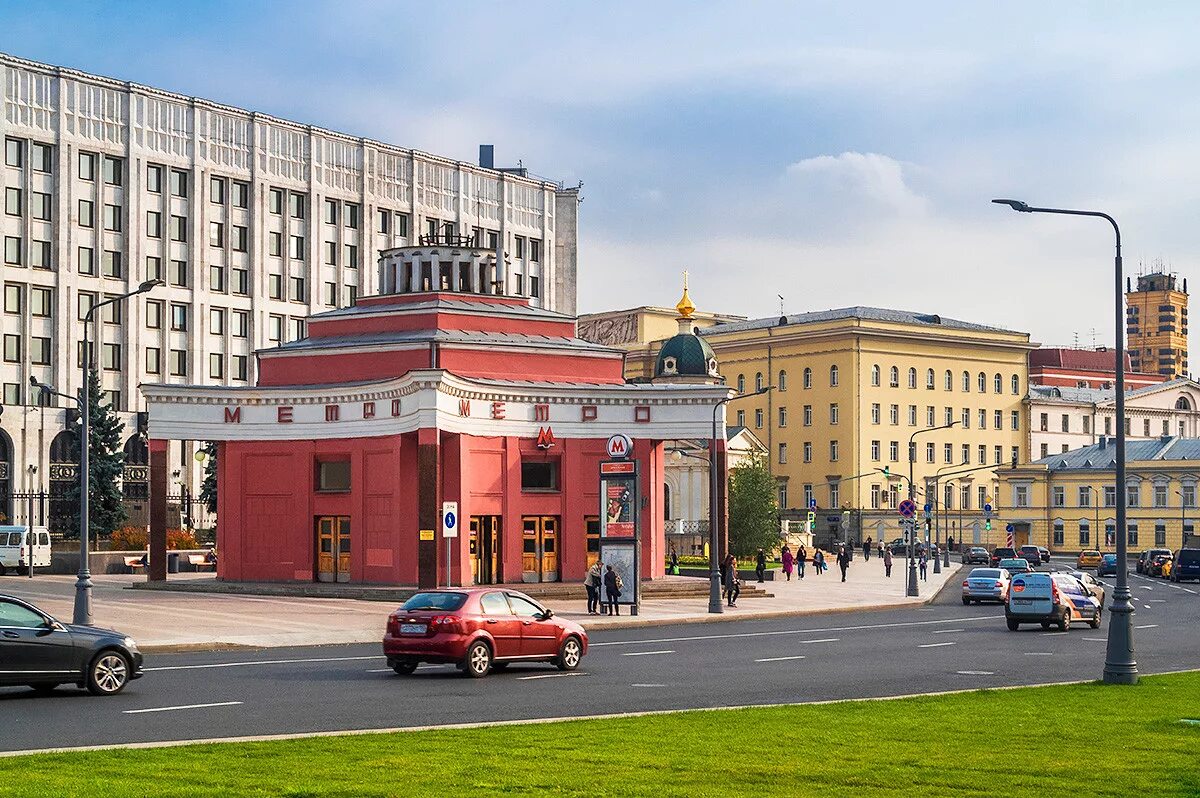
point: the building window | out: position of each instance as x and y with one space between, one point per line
741 383
112 264
758 381
875 496
241 282
1133 496
41 302
1066 422
41 156
179 228
216 234
894 451
875 376
240 367
1015 420
998 454
87 166
110 357
807 451
912 415
758 419
333 476
539 475
783 417
12 251
275 328
1085 533
383 220
1016 385
1058 533
833 413
929 379
982 418
178 363
216 366
331 211
894 377
153 360
14 155
782 385
894 415
930 416
296 248
965 498
39 255
982 454
982 382
875 416
1132 534
1188 497
948 453
39 351
154 175
1145 428
40 207
930 452
1059 496
1160 496
833 451
352 263
807 415
179 317
912 378
241 194
1085 496
298 292
1160 534
12 201
179 183
806 382
948 416
997 384
112 171
783 454
1020 496
331 294
966 453
875 451
833 376
179 273
1110 496
296 205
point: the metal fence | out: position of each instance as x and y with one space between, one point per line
53 510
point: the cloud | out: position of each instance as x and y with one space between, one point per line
858 177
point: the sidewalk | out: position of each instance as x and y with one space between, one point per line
166 620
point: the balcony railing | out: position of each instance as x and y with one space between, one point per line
446 240
677 526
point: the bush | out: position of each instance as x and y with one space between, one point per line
135 538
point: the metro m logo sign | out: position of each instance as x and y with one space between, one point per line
233 415
619 447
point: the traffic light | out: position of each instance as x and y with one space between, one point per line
1014 460
987 525
887 471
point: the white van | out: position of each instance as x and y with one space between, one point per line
14 547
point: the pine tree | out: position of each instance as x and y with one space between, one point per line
208 488
753 510
106 510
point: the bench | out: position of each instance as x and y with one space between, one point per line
134 563
199 561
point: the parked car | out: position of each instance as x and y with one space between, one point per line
1146 556
1016 565
39 651
1002 553
1047 599
1045 552
1154 566
1031 554
898 546
479 629
976 554
985 584
1186 565
1098 588
1107 566
15 544
1088 558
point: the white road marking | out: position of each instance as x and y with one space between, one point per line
550 675
1157 601
1095 639
946 631
1188 590
1051 634
1145 587
977 673
258 662
183 706
740 635
779 659
379 670
1039 653
937 645
647 685
820 640
1147 626
646 653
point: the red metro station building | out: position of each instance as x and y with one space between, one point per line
334 467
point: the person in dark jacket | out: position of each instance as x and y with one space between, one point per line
733 586
760 565
611 590
867 549
887 562
801 558
843 560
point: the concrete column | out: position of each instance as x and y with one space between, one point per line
157 570
428 506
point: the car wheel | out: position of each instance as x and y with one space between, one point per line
1064 622
3 570
569 654
108 674
1013 625
44 688
966 600
478 661
1045 624
404 667
1095 622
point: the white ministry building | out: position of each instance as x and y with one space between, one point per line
253 223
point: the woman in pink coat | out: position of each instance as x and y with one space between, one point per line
786 558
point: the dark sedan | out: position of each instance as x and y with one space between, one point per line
976 554
38 651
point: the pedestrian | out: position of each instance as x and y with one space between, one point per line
592 583
760 565
867 549
950 544
801 560
887 563
924 564
210 556
674 562
843 560
818 561
881 548
733 587
612 589
786 558
725 575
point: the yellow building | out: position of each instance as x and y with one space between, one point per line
852 387
1156 325
1067 502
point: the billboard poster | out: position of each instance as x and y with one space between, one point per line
622 556
618 495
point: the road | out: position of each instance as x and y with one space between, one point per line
945 646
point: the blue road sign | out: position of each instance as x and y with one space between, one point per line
907 508
987 508
1009 528
928 507
812 504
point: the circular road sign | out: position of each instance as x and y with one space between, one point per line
619 447
907 508
987 508
449 520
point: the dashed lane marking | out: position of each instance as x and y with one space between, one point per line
784 632
946 631
646 653
647 685
976 673
779 659
182 706
1039 653
550 675
1147 626
937 645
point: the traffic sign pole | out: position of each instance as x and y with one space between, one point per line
449 532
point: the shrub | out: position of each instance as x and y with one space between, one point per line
128 538
181 539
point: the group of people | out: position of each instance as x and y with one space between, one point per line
602 582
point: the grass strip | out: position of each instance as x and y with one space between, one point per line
1089 739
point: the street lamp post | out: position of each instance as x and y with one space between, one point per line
1120 667
953 486
83 585
912 589
714 583
1183 535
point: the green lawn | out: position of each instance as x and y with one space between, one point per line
1071 741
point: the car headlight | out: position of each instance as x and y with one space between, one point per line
130 644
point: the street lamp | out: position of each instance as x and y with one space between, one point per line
83 585
1119 665
714 585
1183 503
912 551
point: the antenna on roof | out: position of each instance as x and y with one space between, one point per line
781 313
1093 338
1077 339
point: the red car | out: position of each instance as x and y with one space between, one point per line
478 629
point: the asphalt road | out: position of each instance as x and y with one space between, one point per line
945 646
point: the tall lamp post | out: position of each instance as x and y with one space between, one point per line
714 586
912 550
83 584
1120 667
1183 503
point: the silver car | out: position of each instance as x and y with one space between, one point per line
985 584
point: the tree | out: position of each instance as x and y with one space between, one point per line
106 509
208 488
753 510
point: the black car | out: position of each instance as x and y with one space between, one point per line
41 652
1154 566
1003 553
1045 552
1146 556
1031 555
1186 565
976 554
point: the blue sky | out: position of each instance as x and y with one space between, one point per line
836 153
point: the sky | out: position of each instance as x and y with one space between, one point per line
833 153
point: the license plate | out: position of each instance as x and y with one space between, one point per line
1022 602
412 628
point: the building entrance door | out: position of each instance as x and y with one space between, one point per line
539 552
1020 535
592 524
485 549
333 548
